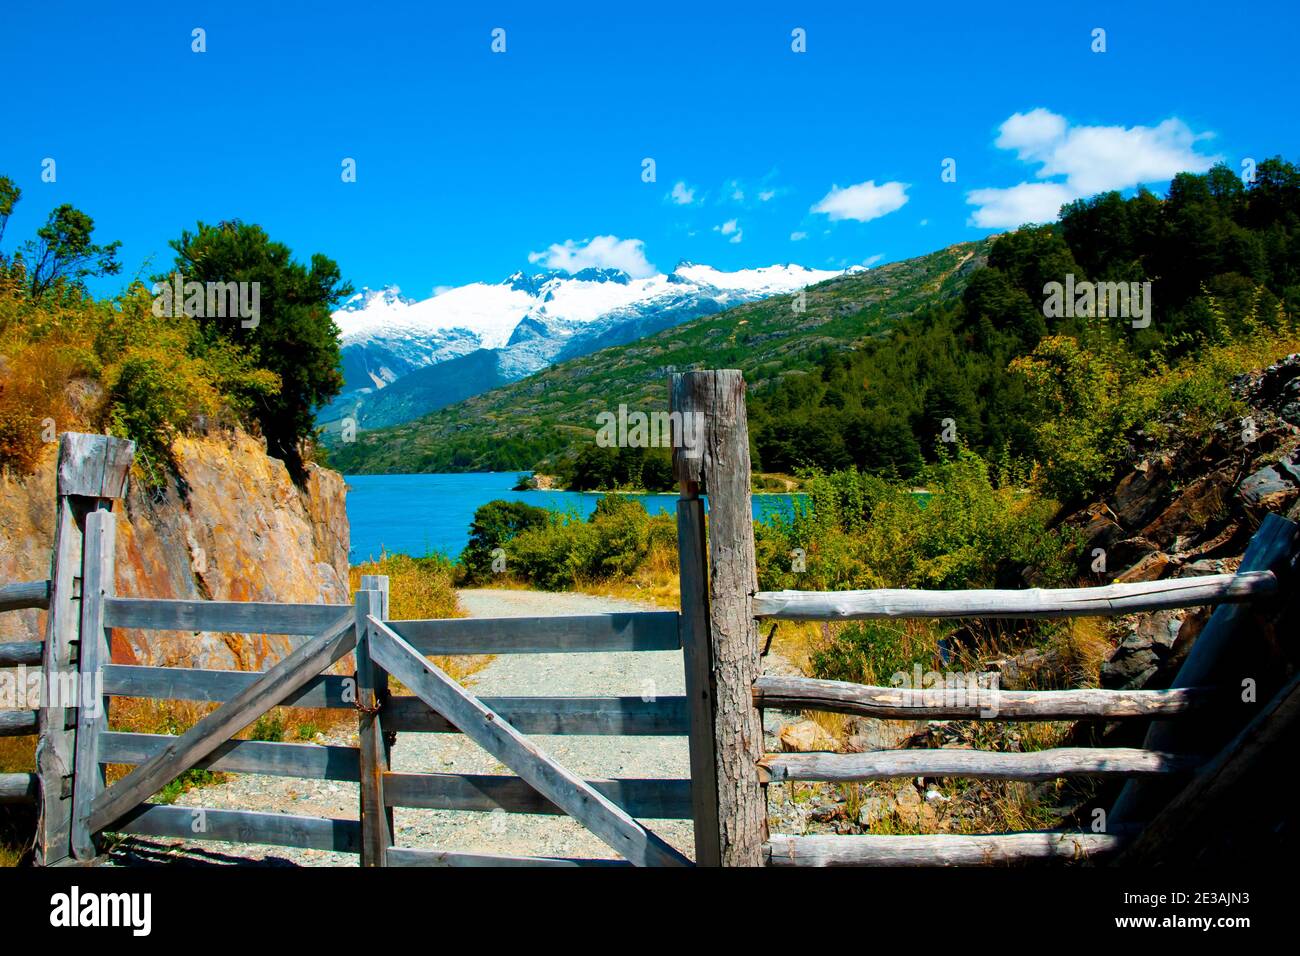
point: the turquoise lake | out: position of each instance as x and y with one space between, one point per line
421 514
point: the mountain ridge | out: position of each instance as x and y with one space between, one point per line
526 422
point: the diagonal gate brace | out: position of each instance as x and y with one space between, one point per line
487 729
273 686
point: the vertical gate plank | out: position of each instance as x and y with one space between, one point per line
697 653
96 585
376 818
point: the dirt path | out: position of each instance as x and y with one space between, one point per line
520 675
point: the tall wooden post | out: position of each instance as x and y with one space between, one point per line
372 694
714 457
92 471
95 650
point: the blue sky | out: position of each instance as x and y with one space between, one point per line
472 163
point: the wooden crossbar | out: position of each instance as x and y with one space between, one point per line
271 687
486 728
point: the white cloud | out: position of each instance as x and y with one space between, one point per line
797 236
863 202
601 252
766 194
682 194
872 260
730 228
1028 202
1083 160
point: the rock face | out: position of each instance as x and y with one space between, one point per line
1191 510
229 525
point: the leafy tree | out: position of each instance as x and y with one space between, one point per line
64 251
496 523
293 334
9 196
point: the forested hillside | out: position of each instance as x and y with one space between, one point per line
1223 260
553 413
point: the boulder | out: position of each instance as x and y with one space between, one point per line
1142 491
1272 488
805 736
1150 568
873 733
1201 507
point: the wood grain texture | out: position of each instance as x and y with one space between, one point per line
603 716
661 799
19 788
309 761
577 633
697 654
18 723
898 703
93 466
1026 603
214 729
16 597
96 586
376 817
937 850
243 826
1039 765
486 728
194 683
27 653
723 465
237 617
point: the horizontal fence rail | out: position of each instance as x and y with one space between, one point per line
18 787
905 703
659 798
236 617
985 765
15 653
30 594
18 723
1025 603
937 850
241 756
243 826
635 631
601 716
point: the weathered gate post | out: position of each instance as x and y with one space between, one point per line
372 695
92 471
719 634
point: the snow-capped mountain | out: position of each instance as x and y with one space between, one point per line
403 358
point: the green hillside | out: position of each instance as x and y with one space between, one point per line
533 420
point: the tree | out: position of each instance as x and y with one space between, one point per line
9 196
63 251
495 523
292 334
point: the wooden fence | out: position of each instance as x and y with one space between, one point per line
1169 779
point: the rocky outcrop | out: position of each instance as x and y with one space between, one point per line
228 524
1191 510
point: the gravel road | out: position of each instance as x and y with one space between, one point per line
520 675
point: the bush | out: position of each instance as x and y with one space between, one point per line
496 523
